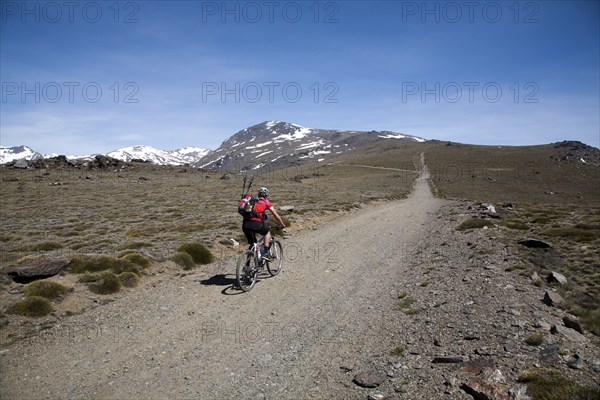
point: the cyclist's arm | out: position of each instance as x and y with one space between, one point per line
277 217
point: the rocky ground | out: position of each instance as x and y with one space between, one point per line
388 302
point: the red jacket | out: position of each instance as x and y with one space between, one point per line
260 207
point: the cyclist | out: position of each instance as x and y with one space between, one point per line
256 223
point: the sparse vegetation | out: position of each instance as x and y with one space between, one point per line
548 384
81 264
199 253
474 223
43 246
33 306
46 289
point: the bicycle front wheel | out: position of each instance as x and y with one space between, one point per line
246 271
274 267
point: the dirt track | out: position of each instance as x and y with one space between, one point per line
194 337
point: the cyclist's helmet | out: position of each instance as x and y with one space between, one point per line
263 192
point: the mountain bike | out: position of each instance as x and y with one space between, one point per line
250 263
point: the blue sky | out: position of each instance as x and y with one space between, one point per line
93 76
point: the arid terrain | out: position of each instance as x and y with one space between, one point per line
399 281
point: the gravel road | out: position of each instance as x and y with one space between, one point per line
293 336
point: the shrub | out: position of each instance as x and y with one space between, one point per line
34 306
184 260
398 351
106 283
535 340
137 259
199 253
129 279
46 289
81 264
474 223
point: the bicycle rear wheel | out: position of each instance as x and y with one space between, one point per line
274 267
246 271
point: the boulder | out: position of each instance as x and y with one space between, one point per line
21 164
568 333
551 298
38 268
556 277
573 323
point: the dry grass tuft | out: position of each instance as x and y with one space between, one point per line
474 223
105 283
46 289
184 260
199 253
34 306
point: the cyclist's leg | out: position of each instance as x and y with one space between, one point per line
266 232
250 233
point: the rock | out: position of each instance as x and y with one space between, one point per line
21 164
477 365
287 208
143 178
573 323
551 298
483 389
568 333
369 378
376 396
234 242
556 277
518 393
447 360
576 363
534 243
38 268
535 277
550 354
225 177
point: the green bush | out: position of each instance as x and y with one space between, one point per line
129 279
34 306
184 260
199 253
106 283
474 223
46 289
137 259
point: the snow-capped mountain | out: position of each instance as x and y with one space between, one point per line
271 143
9 154
274 143
187 155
